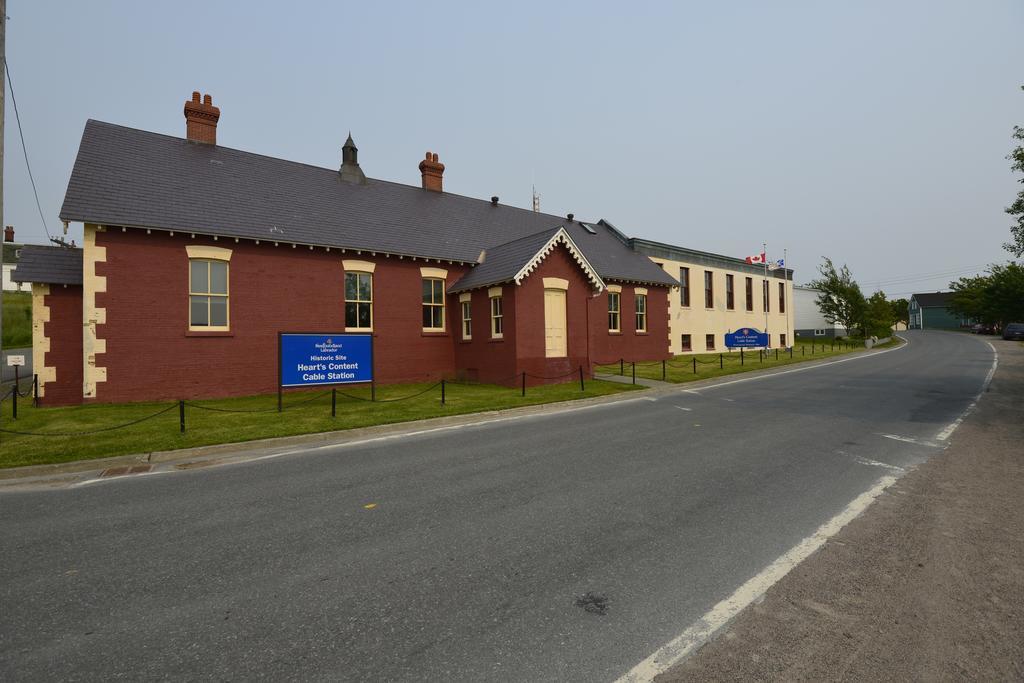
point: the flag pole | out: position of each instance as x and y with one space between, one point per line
766 295
785 292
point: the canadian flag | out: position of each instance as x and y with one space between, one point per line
759 258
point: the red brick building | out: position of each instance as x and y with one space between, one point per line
195 256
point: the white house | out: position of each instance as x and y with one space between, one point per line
808 320
11 253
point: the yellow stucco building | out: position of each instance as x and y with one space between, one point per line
720 294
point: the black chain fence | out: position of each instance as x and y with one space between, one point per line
334 393
32 388
742 358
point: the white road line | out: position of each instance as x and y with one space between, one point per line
907 439
875 463
548 413
948 430
719 615
121 477
376 439
858 356
684 408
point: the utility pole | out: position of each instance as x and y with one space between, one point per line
3 94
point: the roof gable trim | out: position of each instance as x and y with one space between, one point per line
561 237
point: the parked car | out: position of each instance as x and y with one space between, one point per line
1014 331
982 328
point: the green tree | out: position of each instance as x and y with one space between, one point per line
970 298
878 317
996 298
1006 293
1016 243
839 297
900 311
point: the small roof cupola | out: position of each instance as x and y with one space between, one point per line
350 171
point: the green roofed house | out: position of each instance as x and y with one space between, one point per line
931 312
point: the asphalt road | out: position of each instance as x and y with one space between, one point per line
481 540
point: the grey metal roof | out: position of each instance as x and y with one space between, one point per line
128 177
49 265
933 299
695 256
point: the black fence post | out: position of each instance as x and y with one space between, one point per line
442 391
803 350
776 354
622 367
721 363
634 371
695 365
791 352
278 400
524 383
741 357
812 348
662 369
373 390
35 390
181 416
760 355
582 388
14 396
334 402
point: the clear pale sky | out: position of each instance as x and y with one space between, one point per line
872 132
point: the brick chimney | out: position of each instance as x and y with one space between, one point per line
201 119
432 171
9 233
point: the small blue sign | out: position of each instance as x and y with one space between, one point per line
308 359
746 338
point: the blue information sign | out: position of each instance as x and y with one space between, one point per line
746 337
308 359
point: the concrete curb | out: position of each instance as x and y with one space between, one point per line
61 473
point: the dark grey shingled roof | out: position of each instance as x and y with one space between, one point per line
933 299
49 265
128 177
503 262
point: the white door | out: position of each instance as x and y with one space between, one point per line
555 345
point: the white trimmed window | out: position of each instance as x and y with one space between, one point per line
497 318
614 319
358 301
207 294
433 304
641 312
467 319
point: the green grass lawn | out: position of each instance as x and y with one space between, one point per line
17 319
204 427
681 368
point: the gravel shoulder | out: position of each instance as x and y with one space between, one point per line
927 585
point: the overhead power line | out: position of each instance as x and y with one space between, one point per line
24 150
921 277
